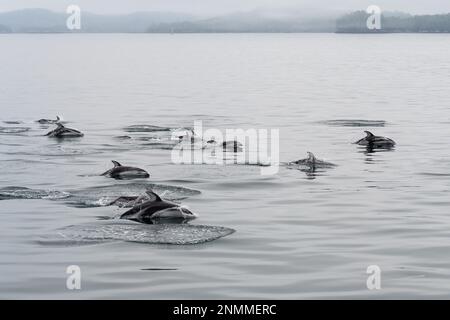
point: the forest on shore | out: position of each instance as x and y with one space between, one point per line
356 22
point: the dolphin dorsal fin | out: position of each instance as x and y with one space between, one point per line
60 125
116 164
311 156
369 134
58 118
153 196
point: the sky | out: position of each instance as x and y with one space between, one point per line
227 6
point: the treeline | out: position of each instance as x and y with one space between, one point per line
45 21
356 22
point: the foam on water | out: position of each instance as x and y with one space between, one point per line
13 130
145 128
354 123
10 193
97 196
118 230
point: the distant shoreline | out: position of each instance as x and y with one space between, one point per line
243 32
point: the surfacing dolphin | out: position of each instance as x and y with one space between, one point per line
311 163
154 208
62 132
49 121
125 172
375 142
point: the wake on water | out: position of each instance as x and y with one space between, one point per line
121 230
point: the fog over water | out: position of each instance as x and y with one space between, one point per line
208 7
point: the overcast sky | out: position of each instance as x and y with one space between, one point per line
226 6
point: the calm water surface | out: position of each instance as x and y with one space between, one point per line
298 235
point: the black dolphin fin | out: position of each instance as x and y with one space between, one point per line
369 134
58 118
116 164
153 196
311 161
60 125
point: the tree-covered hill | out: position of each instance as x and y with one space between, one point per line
356 23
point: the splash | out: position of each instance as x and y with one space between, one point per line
104 195
97 196
10 193
13 130
118 230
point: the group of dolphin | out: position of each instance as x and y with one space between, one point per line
147 208
370 141
150 207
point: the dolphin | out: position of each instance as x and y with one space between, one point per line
154 208
375 142
49 121
125 172
312 162
62 132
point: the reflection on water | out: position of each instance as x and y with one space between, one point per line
370 150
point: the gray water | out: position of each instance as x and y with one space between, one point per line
297 234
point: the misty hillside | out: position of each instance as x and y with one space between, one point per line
33 20
281 20
40 20
254 21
